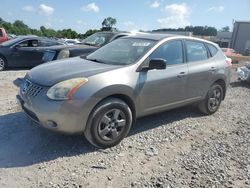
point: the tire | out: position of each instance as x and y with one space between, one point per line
212 101
3 63
109 123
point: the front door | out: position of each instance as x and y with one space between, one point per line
164 89
26 54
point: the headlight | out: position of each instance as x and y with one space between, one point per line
65 89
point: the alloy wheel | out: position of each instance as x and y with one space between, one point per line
2 64
111 124
214 99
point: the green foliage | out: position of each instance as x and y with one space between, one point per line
90 32
225 29
19 28
197 30
109 22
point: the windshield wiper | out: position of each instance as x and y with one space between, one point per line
95 60
90 44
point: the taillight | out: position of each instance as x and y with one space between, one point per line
229 62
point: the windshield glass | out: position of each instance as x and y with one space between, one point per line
98 39
11 42
122 51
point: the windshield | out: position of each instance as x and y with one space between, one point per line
98 39
11 42
122 51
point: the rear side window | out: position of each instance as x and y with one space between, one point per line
213 50
196 51
46 43
170 51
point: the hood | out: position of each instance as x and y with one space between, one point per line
61 47
51 73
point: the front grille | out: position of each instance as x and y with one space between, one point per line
31 89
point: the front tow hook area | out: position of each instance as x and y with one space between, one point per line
17 82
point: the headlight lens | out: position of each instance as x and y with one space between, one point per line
65 89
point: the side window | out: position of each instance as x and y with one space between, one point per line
1 33
24 44
46 43
170 51
28 43
196 51
33 43
213 50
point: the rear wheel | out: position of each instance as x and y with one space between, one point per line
3 63
109 123
213 100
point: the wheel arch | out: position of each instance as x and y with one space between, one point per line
127 99
222 83
1 55
5 60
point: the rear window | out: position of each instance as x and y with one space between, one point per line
196 51
213 50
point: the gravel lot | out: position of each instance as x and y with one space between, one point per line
179 148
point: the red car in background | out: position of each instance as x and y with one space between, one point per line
229 52
3 35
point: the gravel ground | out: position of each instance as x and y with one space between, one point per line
179 148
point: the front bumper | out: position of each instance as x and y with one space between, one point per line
61 116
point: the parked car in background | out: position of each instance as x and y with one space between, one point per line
3 35
86 47
11 36
24 51
247 51
103 94
229 52
71 41
243 73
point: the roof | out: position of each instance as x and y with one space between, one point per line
242 21
223 34
151 36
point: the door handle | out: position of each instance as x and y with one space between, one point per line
212 69
181 75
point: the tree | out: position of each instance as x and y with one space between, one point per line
109 22
20 24
89 32
225 29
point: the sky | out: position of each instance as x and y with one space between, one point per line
131 15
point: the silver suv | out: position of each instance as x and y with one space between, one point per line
101 96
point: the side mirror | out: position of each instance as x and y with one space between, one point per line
16 47
157 63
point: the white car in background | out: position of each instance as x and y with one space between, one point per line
71 41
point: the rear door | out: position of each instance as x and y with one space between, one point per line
201 68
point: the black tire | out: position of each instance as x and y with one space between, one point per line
3 63
212 101
109 123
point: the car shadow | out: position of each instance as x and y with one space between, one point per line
164 118
240 84
23 143
17 69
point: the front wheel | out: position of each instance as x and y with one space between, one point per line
212 101
109 123
3 64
